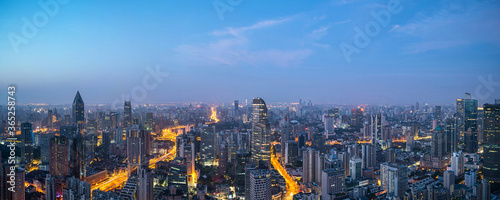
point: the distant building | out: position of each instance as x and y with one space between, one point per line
355 166
438 142
368 152
136 149
457 163
467 121
332 182
50 188
394 179
26 143
59 156
491 167
78 112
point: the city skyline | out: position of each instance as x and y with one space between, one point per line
280 53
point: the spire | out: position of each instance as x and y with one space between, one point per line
78 98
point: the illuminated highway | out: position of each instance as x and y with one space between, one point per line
291 185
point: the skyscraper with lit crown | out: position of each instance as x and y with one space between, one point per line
261 136
78 113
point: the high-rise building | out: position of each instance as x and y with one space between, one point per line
260 184
26 143
390 155
249 167
491 161
261 132
236 105
451 135
207 146
50 188
438 114
145 184
449 180
368 153
19 184
394 179
127 114
457 163
438 142
329 125
136 149
291 152
177 175
309 166
59 156
332 182
470 178
355 167
467 120
78 112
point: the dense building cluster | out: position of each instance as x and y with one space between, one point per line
254 150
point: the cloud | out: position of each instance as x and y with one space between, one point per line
320 32
453 26
232 47
394 27
259 25
343 22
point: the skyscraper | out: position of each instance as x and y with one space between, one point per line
457 163
260 184
368 153
78 112
438 114
127 114
438 142
26 143
309 162
136 149
451 135
491 167
355 167
332 182
467 119
59 156
50 188
261 136
394 179
236 105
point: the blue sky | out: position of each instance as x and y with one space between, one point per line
430 51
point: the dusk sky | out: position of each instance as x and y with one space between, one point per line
428 51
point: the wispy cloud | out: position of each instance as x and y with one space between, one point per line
453 26
259 25
231 47
320 32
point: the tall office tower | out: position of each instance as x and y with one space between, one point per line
376 122
19 184
77 156
136 149
50 119
127 114
291 152
449 180
417 107
50 188
438 114
207 147
78 112
457 163
286 134
491 161
451 135
355 167
145 187
236 105
177 176
368 153
344 160
261 132
329 125
309 165
332 182
249 167
390 155
394 179
470 178
387 132
357 117
438 142
410 131
260 184
26 143
467 119
59 156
